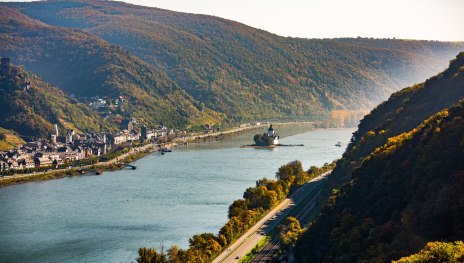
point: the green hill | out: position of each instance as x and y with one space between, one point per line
401 113
404 174
32 112
85 66
234 69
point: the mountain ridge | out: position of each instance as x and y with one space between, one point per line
247 73
84 65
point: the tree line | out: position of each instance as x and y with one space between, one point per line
243 214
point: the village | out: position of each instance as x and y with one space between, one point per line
72 148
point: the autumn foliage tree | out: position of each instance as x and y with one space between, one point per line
243 213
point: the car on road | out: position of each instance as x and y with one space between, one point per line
237 257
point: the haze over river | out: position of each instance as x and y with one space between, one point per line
165 201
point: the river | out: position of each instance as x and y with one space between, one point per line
165 201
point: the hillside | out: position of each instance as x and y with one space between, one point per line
405 174
85 66
244 72
32 111
8 140
401 113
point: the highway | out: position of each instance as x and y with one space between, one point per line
268 252
251 238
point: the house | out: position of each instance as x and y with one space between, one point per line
97 151
69 156
127 125
150 134
42 162
29 163
119 138
64 149
98 103
161 133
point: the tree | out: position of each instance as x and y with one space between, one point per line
176 255
437 252
238 207
149 255
206 244
257 139
263 140
290 231
294 168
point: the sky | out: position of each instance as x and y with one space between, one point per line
406 19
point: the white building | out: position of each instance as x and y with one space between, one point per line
273 134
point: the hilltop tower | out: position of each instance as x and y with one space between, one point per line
69 136
54 136
56 129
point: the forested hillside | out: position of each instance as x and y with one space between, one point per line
404 174
85 66
401 113
32 110
244 72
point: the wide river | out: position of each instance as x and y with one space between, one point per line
165 201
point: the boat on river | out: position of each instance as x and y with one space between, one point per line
165 150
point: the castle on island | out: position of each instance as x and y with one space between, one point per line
273 134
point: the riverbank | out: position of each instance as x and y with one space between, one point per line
86 170
271 146
131 156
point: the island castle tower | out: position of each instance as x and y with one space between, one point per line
273 134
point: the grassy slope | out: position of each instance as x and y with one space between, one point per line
11 140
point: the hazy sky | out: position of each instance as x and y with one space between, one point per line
407 19
410 19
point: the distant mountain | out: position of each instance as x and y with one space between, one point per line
31 106
404 175
231 68
85 66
